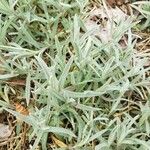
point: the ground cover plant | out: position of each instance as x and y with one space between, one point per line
63 87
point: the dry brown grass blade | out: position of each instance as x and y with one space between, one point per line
16 82
58 142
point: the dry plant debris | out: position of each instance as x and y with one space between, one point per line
102 23
21 109
58 143
5 132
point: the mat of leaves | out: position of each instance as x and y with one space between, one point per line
67 85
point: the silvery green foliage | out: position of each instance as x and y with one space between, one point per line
93 95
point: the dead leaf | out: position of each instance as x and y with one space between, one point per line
99 24
21 109
58 142
5 131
